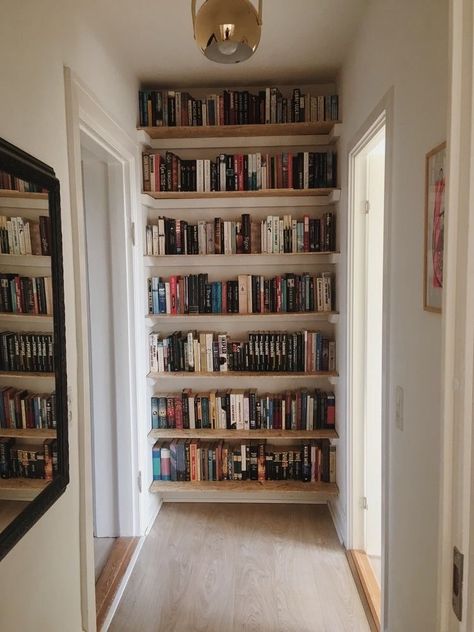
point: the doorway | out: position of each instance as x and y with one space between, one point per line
367 326
111 389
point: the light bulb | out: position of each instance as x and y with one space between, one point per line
228 47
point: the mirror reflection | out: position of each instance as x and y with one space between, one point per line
28 445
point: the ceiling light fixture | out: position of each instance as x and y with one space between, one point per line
227 31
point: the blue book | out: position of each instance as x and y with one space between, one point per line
161 298
162 413
154 413
156 457
154 291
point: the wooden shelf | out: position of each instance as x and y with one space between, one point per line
21 488
207 433
237 131
256 258
26 374
30 261
282 489
194 195
280 317
234 374
28 433
26 318
22 194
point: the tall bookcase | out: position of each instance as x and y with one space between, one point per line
206 142
30 206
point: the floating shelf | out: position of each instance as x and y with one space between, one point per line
283 259
26 318
276 490
207 433
23 194
26 374
262 193
21 488
237 131
281 317
30 261
28 433
233 374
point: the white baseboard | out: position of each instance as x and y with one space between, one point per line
126 577
337 520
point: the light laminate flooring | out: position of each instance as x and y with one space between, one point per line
240 568
102 549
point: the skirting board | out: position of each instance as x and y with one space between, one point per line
123 584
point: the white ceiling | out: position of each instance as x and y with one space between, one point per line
302 41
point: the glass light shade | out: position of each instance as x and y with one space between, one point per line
227 31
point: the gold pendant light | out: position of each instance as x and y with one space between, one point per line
227 31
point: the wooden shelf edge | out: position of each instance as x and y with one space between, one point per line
186 195
25 374
23 194
236 131
282 487
28 433
21 488
233 374
271 315
207 433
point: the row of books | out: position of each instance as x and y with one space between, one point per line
303 409
248 294
273 235
19 236
24 351
26 295
12 183
22 460
23 409
171 108
207 352
240 172
195 460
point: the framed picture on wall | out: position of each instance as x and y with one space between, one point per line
435 209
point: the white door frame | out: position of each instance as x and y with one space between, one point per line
381 116
84 115
457 445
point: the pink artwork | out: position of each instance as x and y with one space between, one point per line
434 227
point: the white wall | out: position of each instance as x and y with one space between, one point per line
39 578
405 45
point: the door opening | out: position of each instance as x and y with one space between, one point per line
106 238
366 359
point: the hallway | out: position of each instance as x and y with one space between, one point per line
241 567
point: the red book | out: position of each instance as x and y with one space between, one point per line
170 414
178 413
287 426
174 294
331 410
224 297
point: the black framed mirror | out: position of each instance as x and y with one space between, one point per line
34 468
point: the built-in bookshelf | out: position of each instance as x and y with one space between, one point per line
256 156
27 372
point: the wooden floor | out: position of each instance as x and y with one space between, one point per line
241 567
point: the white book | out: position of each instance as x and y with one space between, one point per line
28 238
269 234
197 356
199 176
148 240
207 175
258 167
243 452
209 337
161 236
192 419
222 346
204 113
276 234
294 235
155 240
246 412
310 417
190 348
202 237
281 239
168 297
161 353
